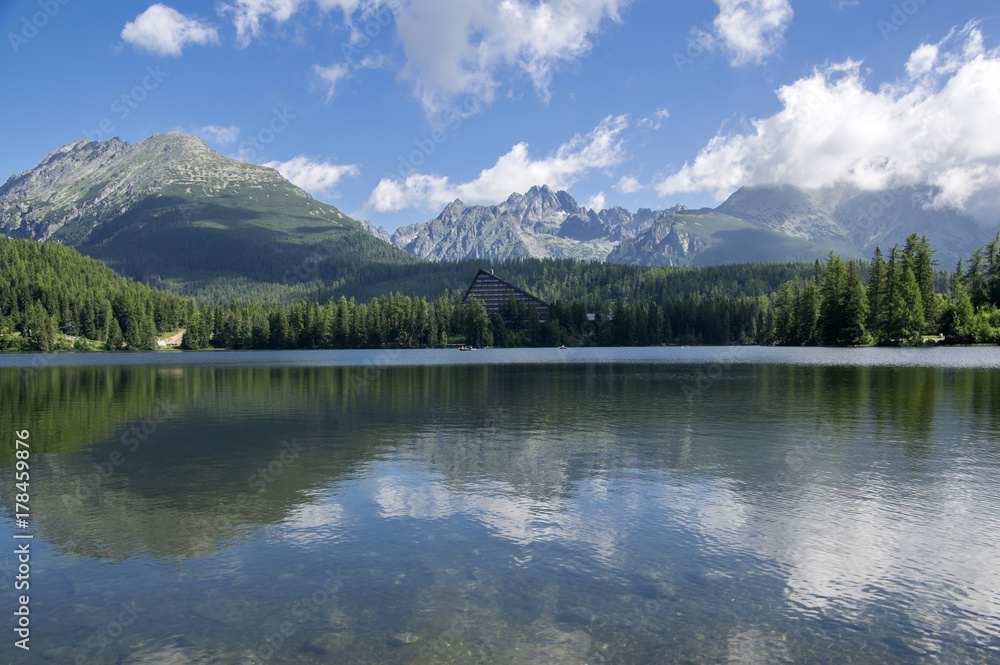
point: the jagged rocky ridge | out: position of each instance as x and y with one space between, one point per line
754 224
170 205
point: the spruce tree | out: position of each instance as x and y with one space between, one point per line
923 271
906 310
855 309
876 295
960 320
115 338
991 257
833 306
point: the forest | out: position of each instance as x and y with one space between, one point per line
899 305
53 298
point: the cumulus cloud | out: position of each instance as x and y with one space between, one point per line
628 185
331 76
515 171
165 31
749 30
220 135
454 48
314 176
596 202
935 126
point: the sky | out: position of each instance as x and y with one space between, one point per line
391 109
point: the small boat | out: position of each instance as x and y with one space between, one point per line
563 346
466 348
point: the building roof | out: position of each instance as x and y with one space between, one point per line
486 273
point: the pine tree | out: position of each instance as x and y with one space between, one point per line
876 295
906 318
477 323
855 309
923 271
833 315
807 313
781 326
279 330
115 338
960 319
991 256
975 280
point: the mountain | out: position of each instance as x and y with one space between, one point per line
864 219
378 232
170 208
170 212
754 224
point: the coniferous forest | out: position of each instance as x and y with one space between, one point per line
53 298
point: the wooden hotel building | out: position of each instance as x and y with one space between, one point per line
494 292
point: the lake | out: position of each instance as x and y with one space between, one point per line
657 505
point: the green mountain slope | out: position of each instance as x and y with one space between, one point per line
48 291
707 237
170 210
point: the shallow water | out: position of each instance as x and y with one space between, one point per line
583 506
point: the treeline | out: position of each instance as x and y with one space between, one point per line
49 292
593 283
401 321
898 306
972 315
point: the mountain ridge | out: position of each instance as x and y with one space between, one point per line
170 208
764 223
170 211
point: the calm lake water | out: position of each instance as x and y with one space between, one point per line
671 505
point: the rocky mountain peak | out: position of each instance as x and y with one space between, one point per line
541 207
453 209
88 182
759 223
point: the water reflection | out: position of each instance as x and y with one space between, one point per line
520 513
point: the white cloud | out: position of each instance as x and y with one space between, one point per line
656 120
749 29
165 31
316 177
455 48
922 60
248 15
628 185
515 171
377 61
596 202
331 76
220 135
937 126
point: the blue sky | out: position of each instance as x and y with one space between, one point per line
389 109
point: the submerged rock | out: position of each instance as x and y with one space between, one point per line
400 639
